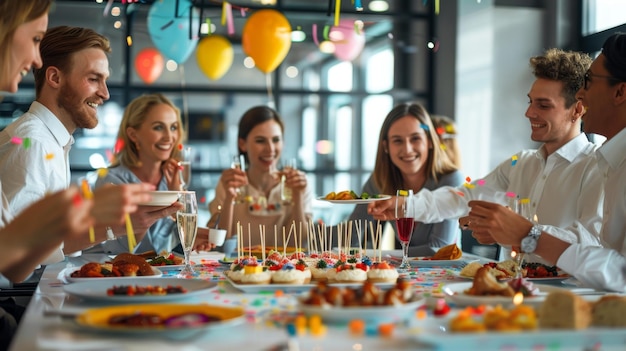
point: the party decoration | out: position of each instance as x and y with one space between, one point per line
149 65
348 42
173 30
266 38
214 56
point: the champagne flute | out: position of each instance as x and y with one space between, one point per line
239 162
404 223
523 209
185 168
187 222
285 191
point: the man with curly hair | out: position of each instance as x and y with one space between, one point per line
559 179
604 96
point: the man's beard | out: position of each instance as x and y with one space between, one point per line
79 111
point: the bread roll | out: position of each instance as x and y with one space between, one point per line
609 311
564 310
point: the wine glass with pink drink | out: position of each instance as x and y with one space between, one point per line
405 224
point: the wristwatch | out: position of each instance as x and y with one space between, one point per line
529 243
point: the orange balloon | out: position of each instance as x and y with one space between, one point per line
266 38
149 65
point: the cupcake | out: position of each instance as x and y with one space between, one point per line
255 275
288 274
382 272
348 273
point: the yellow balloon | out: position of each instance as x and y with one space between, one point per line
214 55
266 38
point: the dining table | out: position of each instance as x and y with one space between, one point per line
49 322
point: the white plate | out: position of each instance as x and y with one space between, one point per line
97 290
435 331
455 292
293 288
97 319
162 198
355 201
421 262
376 314
540 280
66 274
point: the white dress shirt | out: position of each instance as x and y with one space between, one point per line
31 169
565 191
34 160
605 267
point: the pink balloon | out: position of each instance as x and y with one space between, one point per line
348 43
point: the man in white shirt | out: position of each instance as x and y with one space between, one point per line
558 178
34 149
604 97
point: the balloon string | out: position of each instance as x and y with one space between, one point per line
270 95
181 70
314 29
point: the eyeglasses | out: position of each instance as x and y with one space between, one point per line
588 76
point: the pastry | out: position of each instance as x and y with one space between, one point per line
564 310
609 311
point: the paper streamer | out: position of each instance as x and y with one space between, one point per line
229 19
314 29
337 12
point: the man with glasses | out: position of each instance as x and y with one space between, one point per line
604 97
555 178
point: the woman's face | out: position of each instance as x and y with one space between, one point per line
24 52
158 135
264 145
408 145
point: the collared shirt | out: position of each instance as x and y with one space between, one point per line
605 267
265 212
161 236
426 237
33 157
564 189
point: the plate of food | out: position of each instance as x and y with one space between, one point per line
168 262
384 313
366 301
73 275
257 288
457 293
355 200
145 290
559 326
177 321
162 198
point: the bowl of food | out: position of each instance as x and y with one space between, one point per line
162 198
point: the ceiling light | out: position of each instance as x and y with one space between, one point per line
298 36
327 47
378 6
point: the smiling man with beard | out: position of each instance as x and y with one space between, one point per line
34 149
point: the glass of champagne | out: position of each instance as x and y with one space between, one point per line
185 168
285 191
187 222
239 162
404 223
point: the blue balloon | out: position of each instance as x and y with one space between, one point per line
170 33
